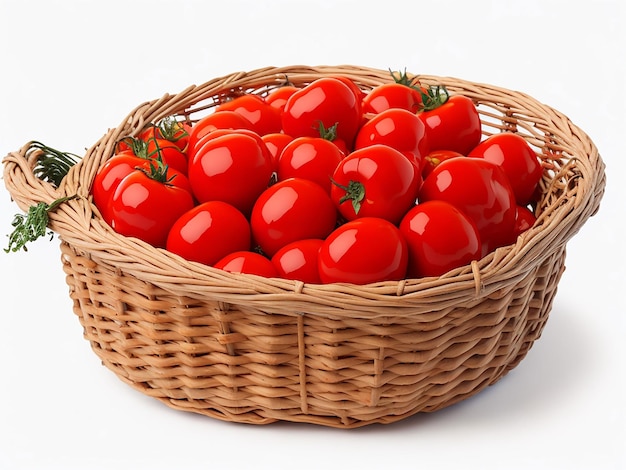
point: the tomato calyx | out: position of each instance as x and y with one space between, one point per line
403 79
141 148
434 97
158 171
171 129
328 133
137 146
355 193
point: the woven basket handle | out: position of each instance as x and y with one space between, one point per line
36 177
20 179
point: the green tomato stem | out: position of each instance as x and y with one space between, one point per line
355 192
403 79
434 97
329 133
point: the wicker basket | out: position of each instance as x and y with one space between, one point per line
253 350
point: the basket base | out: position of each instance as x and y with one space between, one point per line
235 364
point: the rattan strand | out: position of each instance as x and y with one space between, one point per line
255 350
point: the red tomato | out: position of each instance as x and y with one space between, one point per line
403 93
169 152
434 158
145 206
290 210
154 148
197 148
234 168
330 134
208 232
360 94
132 145
481 190
265 118
170 129
363 251
440 238
222 120
397 128
392 95
524 219
115 170
375 181
177 132
298 260
518 160
278 97
174 177
151 131
109 176
311 158
247 262
452 122
328 101
275 144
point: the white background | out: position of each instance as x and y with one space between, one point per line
69 70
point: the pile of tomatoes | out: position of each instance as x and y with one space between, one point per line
325 183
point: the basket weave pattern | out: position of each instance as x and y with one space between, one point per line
253 350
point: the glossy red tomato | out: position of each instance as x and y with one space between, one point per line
155 148
115 170
524 220
363 251
174 177
197 148
328 101
177 132
223 120
434 158
518 160
404 93
392 95
168 151
278 97
452 122
275 144
234 168
330 134
481 190
145 206
168 129
109 176
440 238
247 262
375 181
397 128
124 144
193 152
265 118
358 92
311 158
290 210
208 232
298 261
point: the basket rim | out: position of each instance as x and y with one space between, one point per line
79 224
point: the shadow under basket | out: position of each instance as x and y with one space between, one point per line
247 349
